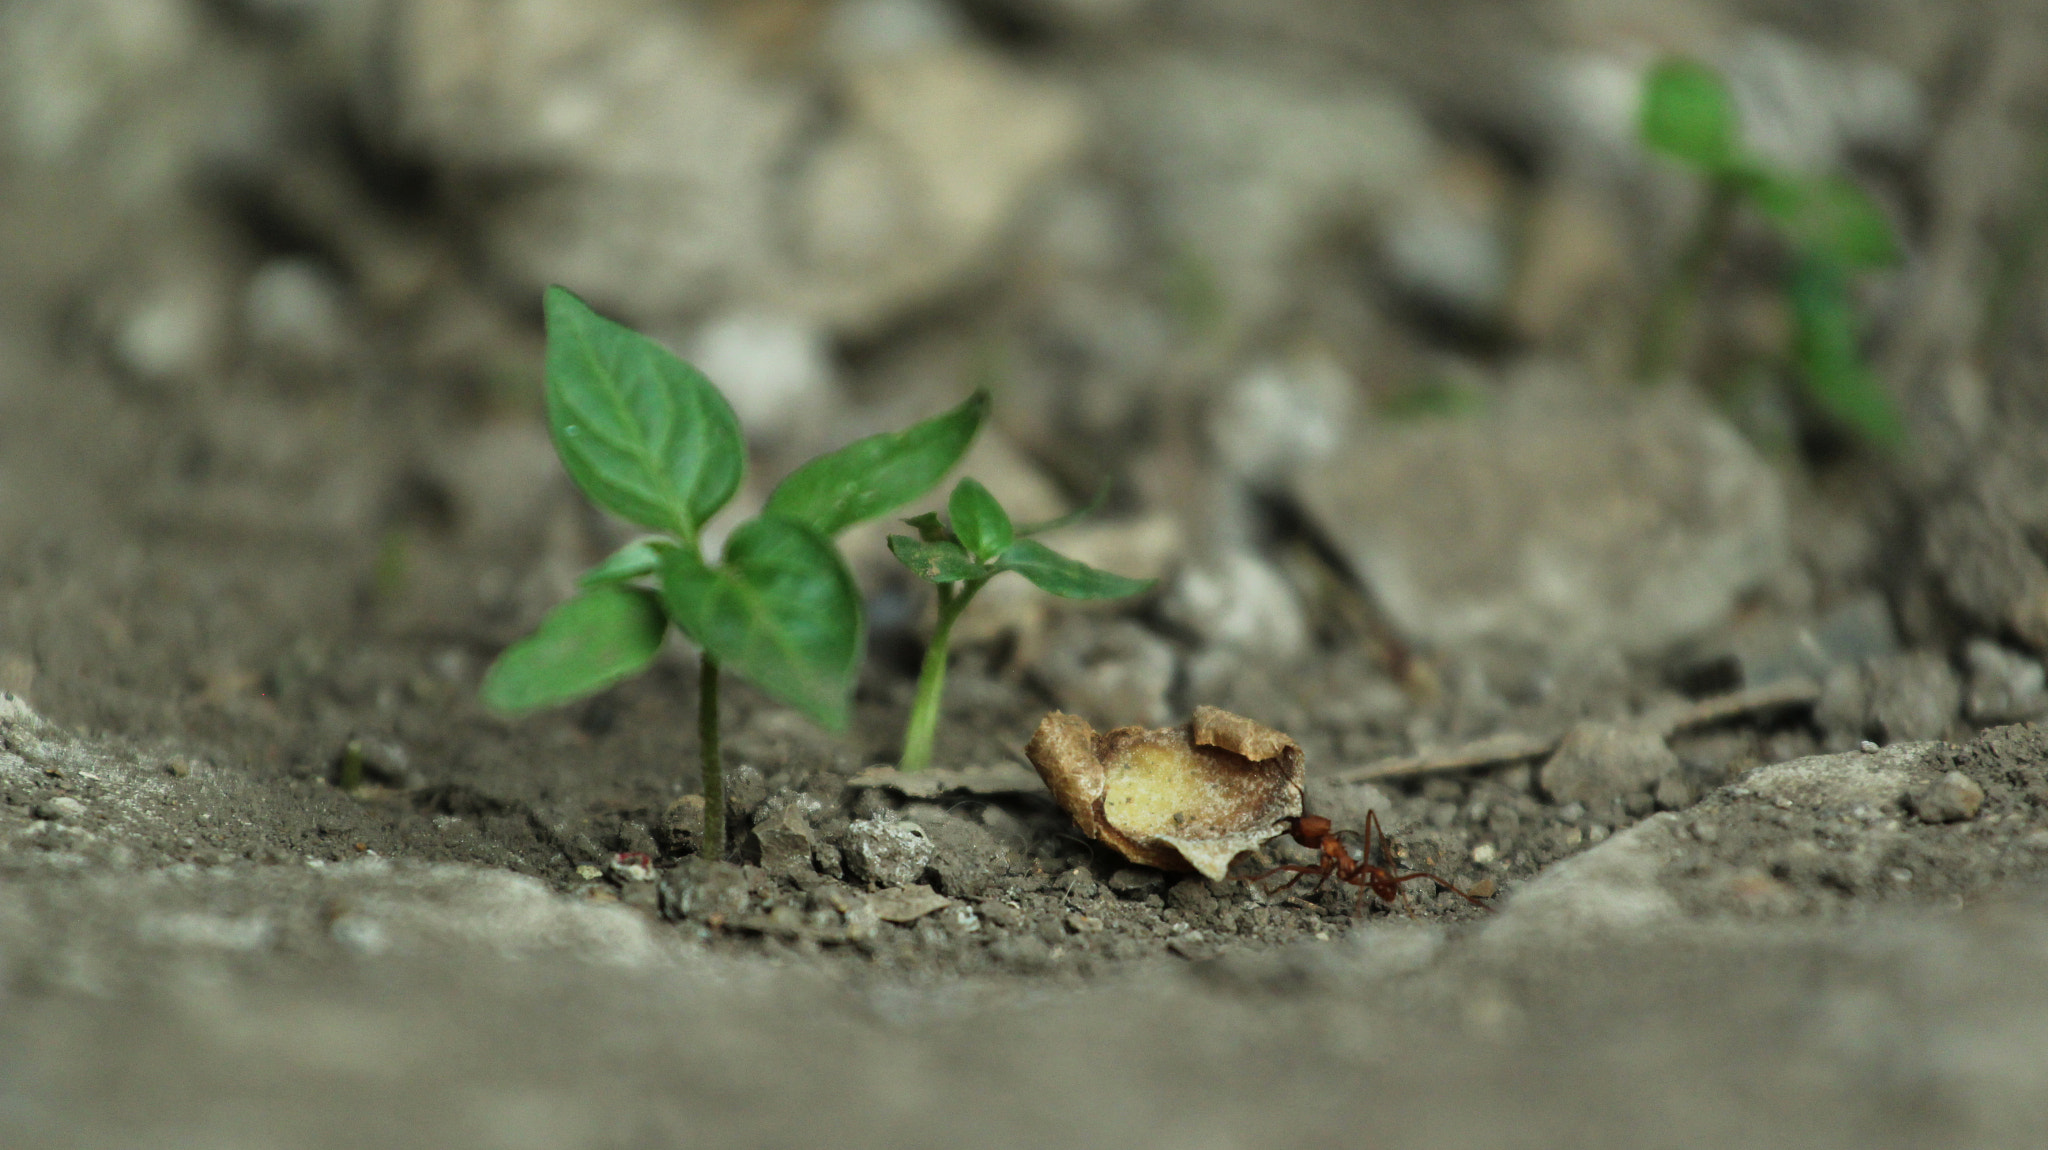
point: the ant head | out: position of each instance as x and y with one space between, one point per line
1311 830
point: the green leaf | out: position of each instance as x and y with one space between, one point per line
1831 368
1829 216
942 562
1072 517
781 610
872 476
930 528
1688 114
584 645
981 524
640 557
642 433
1067 578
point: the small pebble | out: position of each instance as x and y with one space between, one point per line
1485 853
1956 798
1870 748
1084 923
630 866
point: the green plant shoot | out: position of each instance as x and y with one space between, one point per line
648 438
1832 226
958 559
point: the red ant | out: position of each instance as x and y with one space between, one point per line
1336 862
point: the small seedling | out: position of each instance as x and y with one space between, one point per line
958 559
1832 226
647 437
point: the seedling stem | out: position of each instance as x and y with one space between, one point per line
931 679
711 758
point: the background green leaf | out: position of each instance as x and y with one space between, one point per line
588 643
781 610
873 476
1830 366
1688 114
941 562
1830 216
1067 578
643 433
979 522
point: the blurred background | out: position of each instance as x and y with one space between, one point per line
1347 302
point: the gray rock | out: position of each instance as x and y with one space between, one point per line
676 176
1901 698
1239 604
775 370
745 791
787 845
1447 242
886 852
967 858
701 889
1988 570
1274 159
1778 649
1956 798
907 903
1597 762
1282 416
1112 672
62 809
2004 685
1568 520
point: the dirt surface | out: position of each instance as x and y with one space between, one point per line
1776 881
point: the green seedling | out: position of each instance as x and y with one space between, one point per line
958 559
648 438
1833 228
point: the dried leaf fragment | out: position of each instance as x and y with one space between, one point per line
1192 797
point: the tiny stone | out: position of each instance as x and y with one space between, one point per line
589 873
1084 923
1485 853
178 768
1484 888
887 852
1870 748
787 847
1956 798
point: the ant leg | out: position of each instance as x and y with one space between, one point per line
1299 873
1449 886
